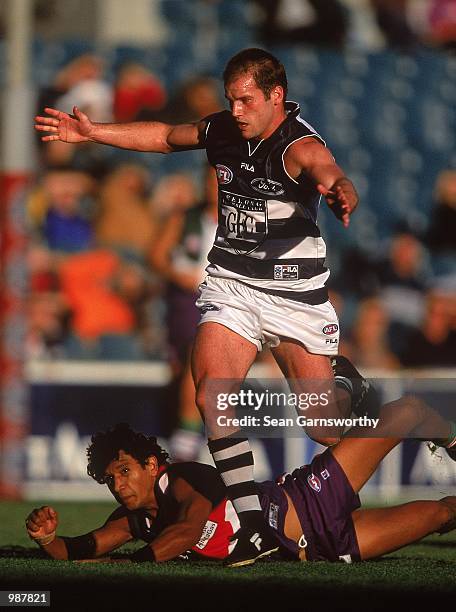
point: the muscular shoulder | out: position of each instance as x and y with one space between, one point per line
220 125
305 154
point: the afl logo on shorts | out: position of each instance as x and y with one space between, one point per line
224 174
314 482
330 329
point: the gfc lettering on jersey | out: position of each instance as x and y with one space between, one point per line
244 221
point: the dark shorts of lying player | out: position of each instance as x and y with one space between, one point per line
181 510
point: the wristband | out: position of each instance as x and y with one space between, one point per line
44 540
143 554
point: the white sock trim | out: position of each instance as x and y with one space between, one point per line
247 503
237 449
238 475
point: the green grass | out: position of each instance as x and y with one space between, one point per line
424 571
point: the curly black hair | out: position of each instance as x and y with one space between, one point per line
106 445
267 70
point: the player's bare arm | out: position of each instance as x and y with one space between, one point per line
42 523
143 136
316 161
194 510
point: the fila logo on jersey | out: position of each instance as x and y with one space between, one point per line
314 482
325 474
224 174
246 166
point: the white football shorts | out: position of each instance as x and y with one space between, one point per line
264 319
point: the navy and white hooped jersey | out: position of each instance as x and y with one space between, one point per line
267 235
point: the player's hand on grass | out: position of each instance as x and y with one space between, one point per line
41 524
64 127
341 199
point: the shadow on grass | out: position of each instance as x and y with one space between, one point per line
21 552
443 544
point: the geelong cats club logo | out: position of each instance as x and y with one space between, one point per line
266 186
224 174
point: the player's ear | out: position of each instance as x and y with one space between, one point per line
152 465
277 95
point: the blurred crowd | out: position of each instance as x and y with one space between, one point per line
116 253
371 24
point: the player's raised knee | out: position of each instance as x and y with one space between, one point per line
447 514
325 440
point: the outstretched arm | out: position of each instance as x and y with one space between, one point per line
42 523
138 136
194 510
316 161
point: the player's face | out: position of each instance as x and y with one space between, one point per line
255 116
132 484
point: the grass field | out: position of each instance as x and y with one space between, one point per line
424 572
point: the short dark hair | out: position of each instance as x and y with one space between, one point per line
106 445
266 69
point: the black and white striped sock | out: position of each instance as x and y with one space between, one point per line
234 461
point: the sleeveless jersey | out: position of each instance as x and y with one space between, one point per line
222 522
267 235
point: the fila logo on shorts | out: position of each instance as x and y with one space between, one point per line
256 540
314 482
286 272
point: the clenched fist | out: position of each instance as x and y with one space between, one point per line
41 525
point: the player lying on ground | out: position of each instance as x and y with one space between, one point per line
182 509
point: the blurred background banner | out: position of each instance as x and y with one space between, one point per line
102 250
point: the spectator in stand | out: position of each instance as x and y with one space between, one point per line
125 221
392 18
403 281
174 192
442 24
61 210
127 225
434 344
47 312
102 296
78 82
441 235
180 256
322 23
198 97
138 93
89 91
369 346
